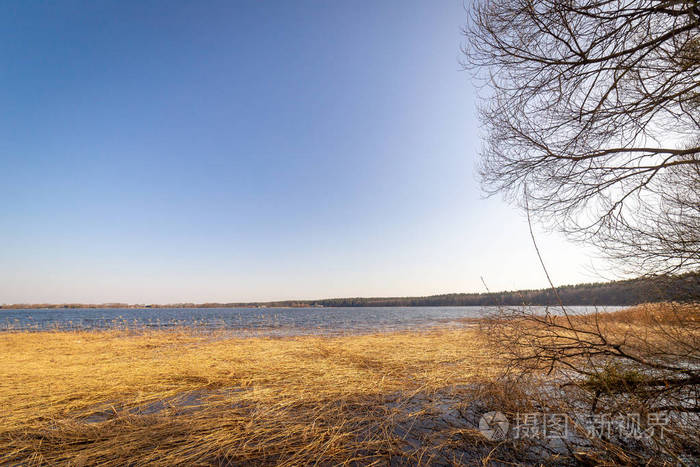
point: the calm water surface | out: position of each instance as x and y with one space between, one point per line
266 321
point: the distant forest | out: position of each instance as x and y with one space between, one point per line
682 288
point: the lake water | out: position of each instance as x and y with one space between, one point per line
258 321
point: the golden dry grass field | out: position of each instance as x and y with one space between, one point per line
190 397
181 397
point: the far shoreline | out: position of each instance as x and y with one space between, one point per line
678 288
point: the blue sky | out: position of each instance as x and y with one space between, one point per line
224 151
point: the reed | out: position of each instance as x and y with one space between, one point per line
169 397
184 396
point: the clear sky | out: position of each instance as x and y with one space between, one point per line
248 150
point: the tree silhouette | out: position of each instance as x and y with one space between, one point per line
592 114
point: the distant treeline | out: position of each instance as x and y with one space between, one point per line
628 292
683 288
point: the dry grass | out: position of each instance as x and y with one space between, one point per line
673 327
656 313
642 360
183 397
169 397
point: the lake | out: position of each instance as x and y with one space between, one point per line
254 321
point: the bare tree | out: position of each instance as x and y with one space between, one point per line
592 113
592 117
